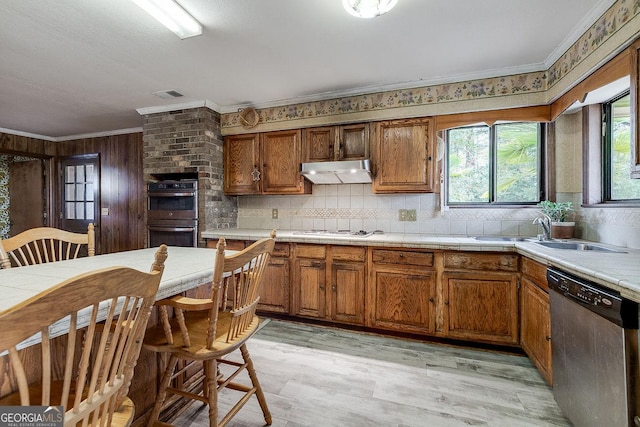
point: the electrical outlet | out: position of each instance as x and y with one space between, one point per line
411 215
274 213
402 215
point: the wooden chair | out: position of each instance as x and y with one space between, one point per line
206 330
45 244
90 380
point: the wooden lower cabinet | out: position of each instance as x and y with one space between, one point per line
401 291
535 320
480 297
328 283
274 295
481 307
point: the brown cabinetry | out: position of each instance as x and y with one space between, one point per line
535 322
266 163
401 290
480 297
402 154
329 283
347 142
309 281
274 295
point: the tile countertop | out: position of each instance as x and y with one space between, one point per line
615 270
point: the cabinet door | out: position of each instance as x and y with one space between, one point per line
281 155
241 164
535 328
402 154
353 142
274 296
319 144
401 299
309 288
481 306
347 292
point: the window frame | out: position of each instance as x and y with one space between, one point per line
542 142
606 171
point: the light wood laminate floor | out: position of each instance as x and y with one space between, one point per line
320 376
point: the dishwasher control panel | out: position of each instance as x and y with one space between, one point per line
605 302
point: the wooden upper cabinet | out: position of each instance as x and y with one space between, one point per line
635 109
242 164
266 163
281 153
348 142
402 154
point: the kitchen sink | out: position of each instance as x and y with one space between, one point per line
501 239
576 246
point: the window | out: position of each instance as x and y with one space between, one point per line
617 182
80 192
499 164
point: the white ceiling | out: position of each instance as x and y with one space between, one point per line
76 67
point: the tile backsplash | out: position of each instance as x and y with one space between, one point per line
356 207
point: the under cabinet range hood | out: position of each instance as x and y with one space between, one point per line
340 172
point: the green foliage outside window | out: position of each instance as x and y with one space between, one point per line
496 164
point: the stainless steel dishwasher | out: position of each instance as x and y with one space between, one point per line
594 337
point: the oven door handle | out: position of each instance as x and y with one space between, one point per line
156 228
172 194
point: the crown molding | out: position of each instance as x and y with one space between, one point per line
180 106
71 137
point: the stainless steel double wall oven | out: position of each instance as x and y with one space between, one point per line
172 213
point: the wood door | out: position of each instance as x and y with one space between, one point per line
535 327
281 154
402 155
26 195
401 298
347 292
353 142
308 288
274 296
481 306
318 144
242 171
80 193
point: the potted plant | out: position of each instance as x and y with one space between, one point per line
558 213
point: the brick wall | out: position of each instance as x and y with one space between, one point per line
189 141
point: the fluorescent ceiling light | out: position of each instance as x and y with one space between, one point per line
368 8
173 16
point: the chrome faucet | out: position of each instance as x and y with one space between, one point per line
545 222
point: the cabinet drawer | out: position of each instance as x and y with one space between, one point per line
311 251
478 261
281 249
536 272
348 253
384 256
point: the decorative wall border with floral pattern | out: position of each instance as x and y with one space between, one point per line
619 15
4 197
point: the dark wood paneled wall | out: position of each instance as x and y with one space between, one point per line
121 188
20 145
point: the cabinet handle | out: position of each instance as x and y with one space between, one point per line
255 173
548 338
431 299
333 288
446 302
429 158
401 255
321 286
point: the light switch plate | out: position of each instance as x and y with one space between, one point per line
274 213
104 211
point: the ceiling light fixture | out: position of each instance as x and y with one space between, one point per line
173 16
368 8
